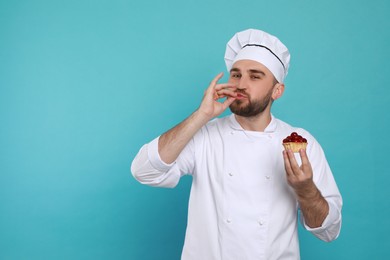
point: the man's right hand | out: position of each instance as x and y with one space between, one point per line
172 142
210 106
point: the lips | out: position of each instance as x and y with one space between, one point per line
241 96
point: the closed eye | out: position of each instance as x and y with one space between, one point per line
235 75
255 77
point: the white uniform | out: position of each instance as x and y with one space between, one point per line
241 206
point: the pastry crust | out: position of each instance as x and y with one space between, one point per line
294 147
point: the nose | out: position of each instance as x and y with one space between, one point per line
242 84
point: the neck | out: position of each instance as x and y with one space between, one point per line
255 123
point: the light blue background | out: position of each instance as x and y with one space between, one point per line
83 84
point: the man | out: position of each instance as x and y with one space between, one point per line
246 188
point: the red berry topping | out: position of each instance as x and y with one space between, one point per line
294 137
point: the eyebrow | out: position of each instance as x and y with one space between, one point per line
234 70
255 71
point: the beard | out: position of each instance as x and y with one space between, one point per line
253 108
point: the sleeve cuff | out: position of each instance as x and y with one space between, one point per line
333 217
154 157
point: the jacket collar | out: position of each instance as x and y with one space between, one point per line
236 126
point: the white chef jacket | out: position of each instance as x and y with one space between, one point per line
241 206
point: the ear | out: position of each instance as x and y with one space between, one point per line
278 91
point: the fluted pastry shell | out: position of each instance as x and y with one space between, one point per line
294 147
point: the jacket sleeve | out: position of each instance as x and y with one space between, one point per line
324 180
148 168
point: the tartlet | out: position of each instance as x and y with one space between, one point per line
294 142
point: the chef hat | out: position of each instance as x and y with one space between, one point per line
261 47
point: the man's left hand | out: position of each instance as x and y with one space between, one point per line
299 177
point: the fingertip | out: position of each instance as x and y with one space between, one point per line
285 156
218 77
229 101
287 153
303 154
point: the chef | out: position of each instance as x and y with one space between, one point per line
248 192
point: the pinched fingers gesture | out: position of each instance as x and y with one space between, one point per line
298 177
210 104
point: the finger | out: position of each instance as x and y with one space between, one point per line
226 93
287 164
226 85
214 82
305 160
293 162
228 102
210 92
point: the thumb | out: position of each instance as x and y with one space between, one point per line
228 102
